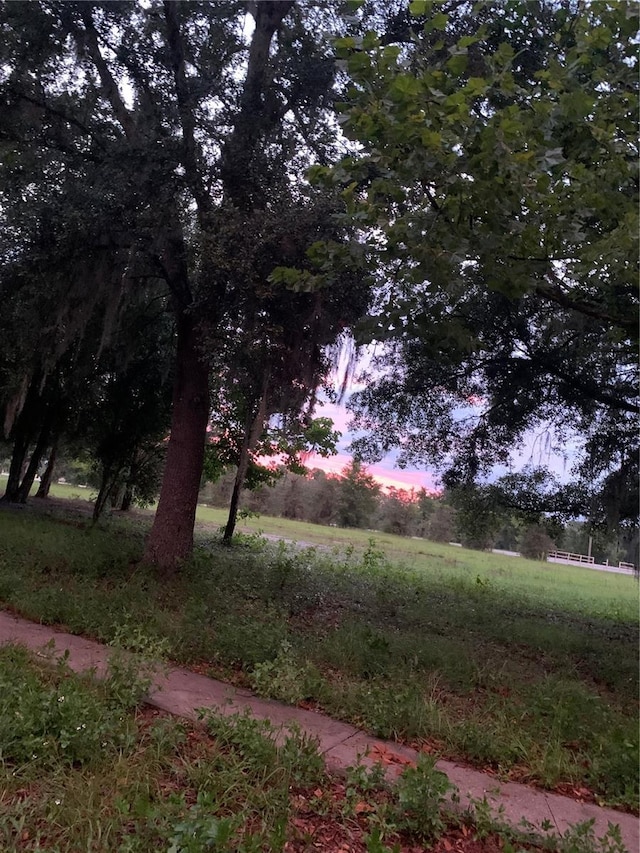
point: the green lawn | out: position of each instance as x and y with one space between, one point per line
528 668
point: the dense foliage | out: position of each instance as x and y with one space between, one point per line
497 173
156 153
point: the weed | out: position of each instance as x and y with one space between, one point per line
533 666
200 831
247 640
286 678
131 636
374 558
130 677
61 720
582 839
375 844
266 749
421 793
361 782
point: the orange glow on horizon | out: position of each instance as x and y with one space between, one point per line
387 478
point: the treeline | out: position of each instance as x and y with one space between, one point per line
355 499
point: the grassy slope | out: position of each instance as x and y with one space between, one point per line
525 667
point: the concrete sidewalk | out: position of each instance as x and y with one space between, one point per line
183 692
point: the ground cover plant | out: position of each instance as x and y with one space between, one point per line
522 668
84 767
81 768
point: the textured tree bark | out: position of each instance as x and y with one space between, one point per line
34 464
171 538
25 430
47 427
18 456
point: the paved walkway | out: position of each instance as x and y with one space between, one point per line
182 692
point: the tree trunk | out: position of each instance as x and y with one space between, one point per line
47 477
254 427
107 482
171 537
20 447
127 499
25 430
36 457
241 473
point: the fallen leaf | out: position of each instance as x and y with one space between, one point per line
388 756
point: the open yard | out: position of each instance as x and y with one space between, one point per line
525 668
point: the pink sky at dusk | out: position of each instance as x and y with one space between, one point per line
386 475
384 471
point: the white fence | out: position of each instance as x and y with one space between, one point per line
567 556
569 559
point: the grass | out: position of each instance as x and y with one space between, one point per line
525 668
84 767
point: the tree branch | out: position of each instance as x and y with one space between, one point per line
109 85
250 121
185 108
554 294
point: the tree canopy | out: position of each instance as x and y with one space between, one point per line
497 178
176 164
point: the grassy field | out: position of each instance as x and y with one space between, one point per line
522 667
569 587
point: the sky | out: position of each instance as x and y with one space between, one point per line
384 472
537 449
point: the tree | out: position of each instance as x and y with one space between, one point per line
497 174
125 426
357 496
536 543
198 137
442 522
397 512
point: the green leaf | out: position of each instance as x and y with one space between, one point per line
437 22
457 63
418 7
431 139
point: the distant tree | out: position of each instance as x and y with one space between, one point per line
508 536
441 526
397 512
357 496
477 518
535 543
322 498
